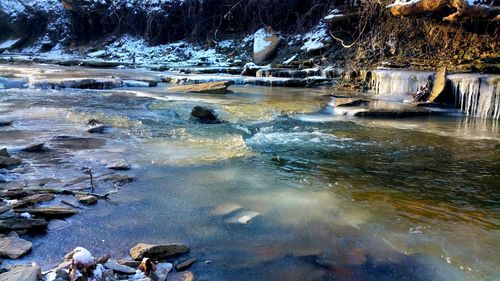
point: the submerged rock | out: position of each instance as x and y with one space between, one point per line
14 247
49 212
184 276
204 115
7 162
99 129
39 147
4 152
22 273
185 264
219 87
242 217
87 199
5 123
120 165
23 224
157 251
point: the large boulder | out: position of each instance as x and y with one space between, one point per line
22 273
157 251
265 45
14 247
219 87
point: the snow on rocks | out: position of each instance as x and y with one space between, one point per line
82 257
316 39
265 45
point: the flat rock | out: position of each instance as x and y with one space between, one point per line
118 165
14 247
350 102
387 113
185 264
13 83
10 43
87 199
219 87
49 212
22 224
32 199
130 263
39 147
119 268
8 162
22 273
78 83
157 251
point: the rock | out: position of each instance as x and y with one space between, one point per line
184 276
265 45
93 122
7 214
250 69
119 268
62 274
10 43
22 273
8 162
157 251
438 85
243 217
87 199
219 87
14 247
31 200
70 142
97 54
118 165
163 269
13 83
49 212
185 264
15 193
5 123
13 234
99 129
22 224
204 115
387 113
39 147
131 263
4 152
119 179
78 83
348 102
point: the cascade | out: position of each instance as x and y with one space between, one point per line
477 95
397 84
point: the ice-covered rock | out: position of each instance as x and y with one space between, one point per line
82 257
265 45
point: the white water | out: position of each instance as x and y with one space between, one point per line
476 94
397 84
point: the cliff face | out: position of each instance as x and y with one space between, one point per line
345 32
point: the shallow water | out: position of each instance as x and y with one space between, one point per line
337 197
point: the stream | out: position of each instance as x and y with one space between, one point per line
330 196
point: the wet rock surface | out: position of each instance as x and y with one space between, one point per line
157 251
205 88
204 115
14 247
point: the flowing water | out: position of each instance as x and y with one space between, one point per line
336 197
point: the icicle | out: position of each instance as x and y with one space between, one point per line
397 84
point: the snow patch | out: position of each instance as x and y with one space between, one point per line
316 39
259 40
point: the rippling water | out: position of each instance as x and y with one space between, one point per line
337 197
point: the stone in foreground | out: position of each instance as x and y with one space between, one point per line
185 264
22 273
22 224
157 251
119 268
14 247
204 88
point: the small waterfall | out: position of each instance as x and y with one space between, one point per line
477 95
397 84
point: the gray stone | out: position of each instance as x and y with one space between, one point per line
157 251
130 263
49 212
87 199
118 165
22 224
39 147
265 45
185 264
4 152
22 273
14 247
119 268
8 162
